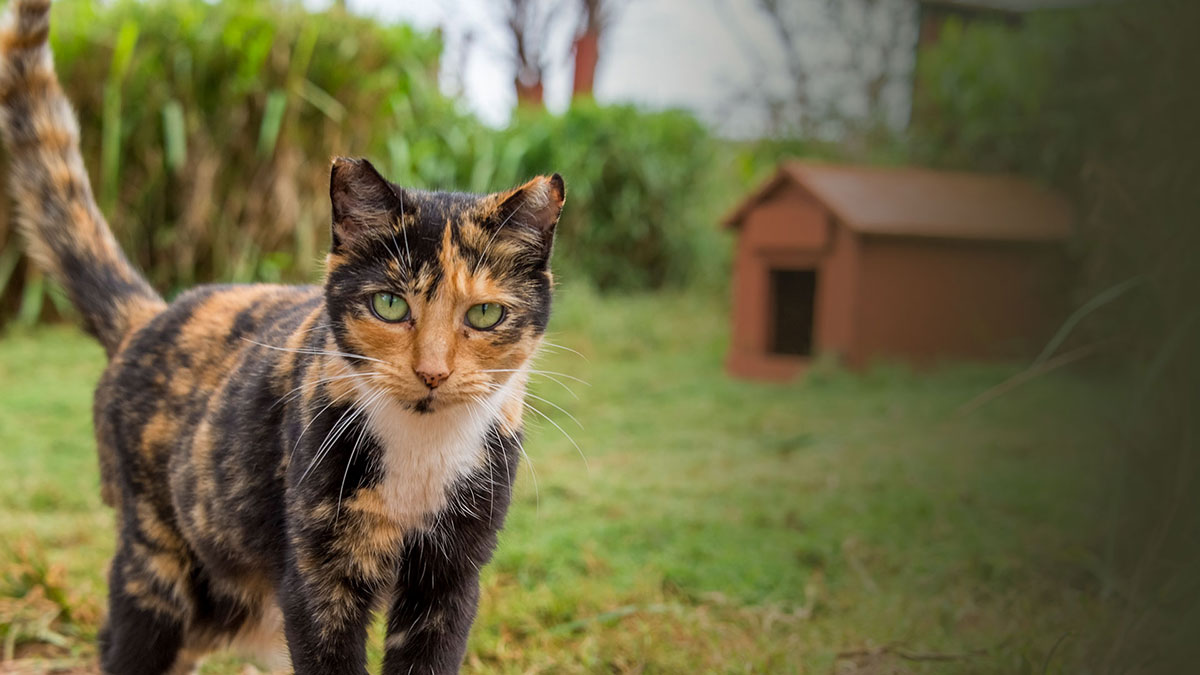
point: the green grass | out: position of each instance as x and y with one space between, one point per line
716 526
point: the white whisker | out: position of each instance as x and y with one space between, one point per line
508 471
311 328
332 431
404 233
556 407
560 383
306 426
547 343
353 453
317 352
536 372
587 467
323 380
336 432
537 494
546 374
396 246
491 488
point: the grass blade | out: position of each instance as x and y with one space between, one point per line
32 297
322 100
272 122
1101 299
174 135
110 135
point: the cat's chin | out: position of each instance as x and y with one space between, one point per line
427 405
433 403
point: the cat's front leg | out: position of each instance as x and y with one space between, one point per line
437 587
326 613
431 611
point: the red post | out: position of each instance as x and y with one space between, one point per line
587 55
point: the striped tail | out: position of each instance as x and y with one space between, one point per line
56 212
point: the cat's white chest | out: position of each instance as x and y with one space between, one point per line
424 455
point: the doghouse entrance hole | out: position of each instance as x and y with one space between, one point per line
792 294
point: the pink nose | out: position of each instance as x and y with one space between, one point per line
431 380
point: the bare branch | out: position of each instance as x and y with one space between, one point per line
842 60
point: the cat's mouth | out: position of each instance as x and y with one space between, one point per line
432 402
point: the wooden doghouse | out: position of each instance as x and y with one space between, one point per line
893 263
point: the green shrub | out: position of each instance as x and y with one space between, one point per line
641 190
640 208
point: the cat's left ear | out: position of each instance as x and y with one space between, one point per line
532 209
361 200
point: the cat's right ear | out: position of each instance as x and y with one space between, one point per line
361 200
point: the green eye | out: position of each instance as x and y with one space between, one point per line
389 307
485 316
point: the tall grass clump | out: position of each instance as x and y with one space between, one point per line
211 133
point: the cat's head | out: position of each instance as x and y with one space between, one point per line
447 295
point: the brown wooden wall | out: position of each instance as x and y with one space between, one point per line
925 300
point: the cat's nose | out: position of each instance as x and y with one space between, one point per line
431 380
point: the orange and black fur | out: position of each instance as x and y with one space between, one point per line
285 460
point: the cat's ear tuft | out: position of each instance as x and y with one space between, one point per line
361 199
534 206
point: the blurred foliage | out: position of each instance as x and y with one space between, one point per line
981 93
862 143
639 185
642 195
1097 102
208 128
210 138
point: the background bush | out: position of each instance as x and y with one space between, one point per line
643 188
208 129
645 195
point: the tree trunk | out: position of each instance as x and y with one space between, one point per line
529 95
587 56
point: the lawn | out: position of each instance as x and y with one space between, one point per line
844 522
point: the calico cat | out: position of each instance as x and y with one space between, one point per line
285 460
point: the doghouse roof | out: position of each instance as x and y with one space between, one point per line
924 202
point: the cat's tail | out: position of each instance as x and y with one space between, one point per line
56 212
